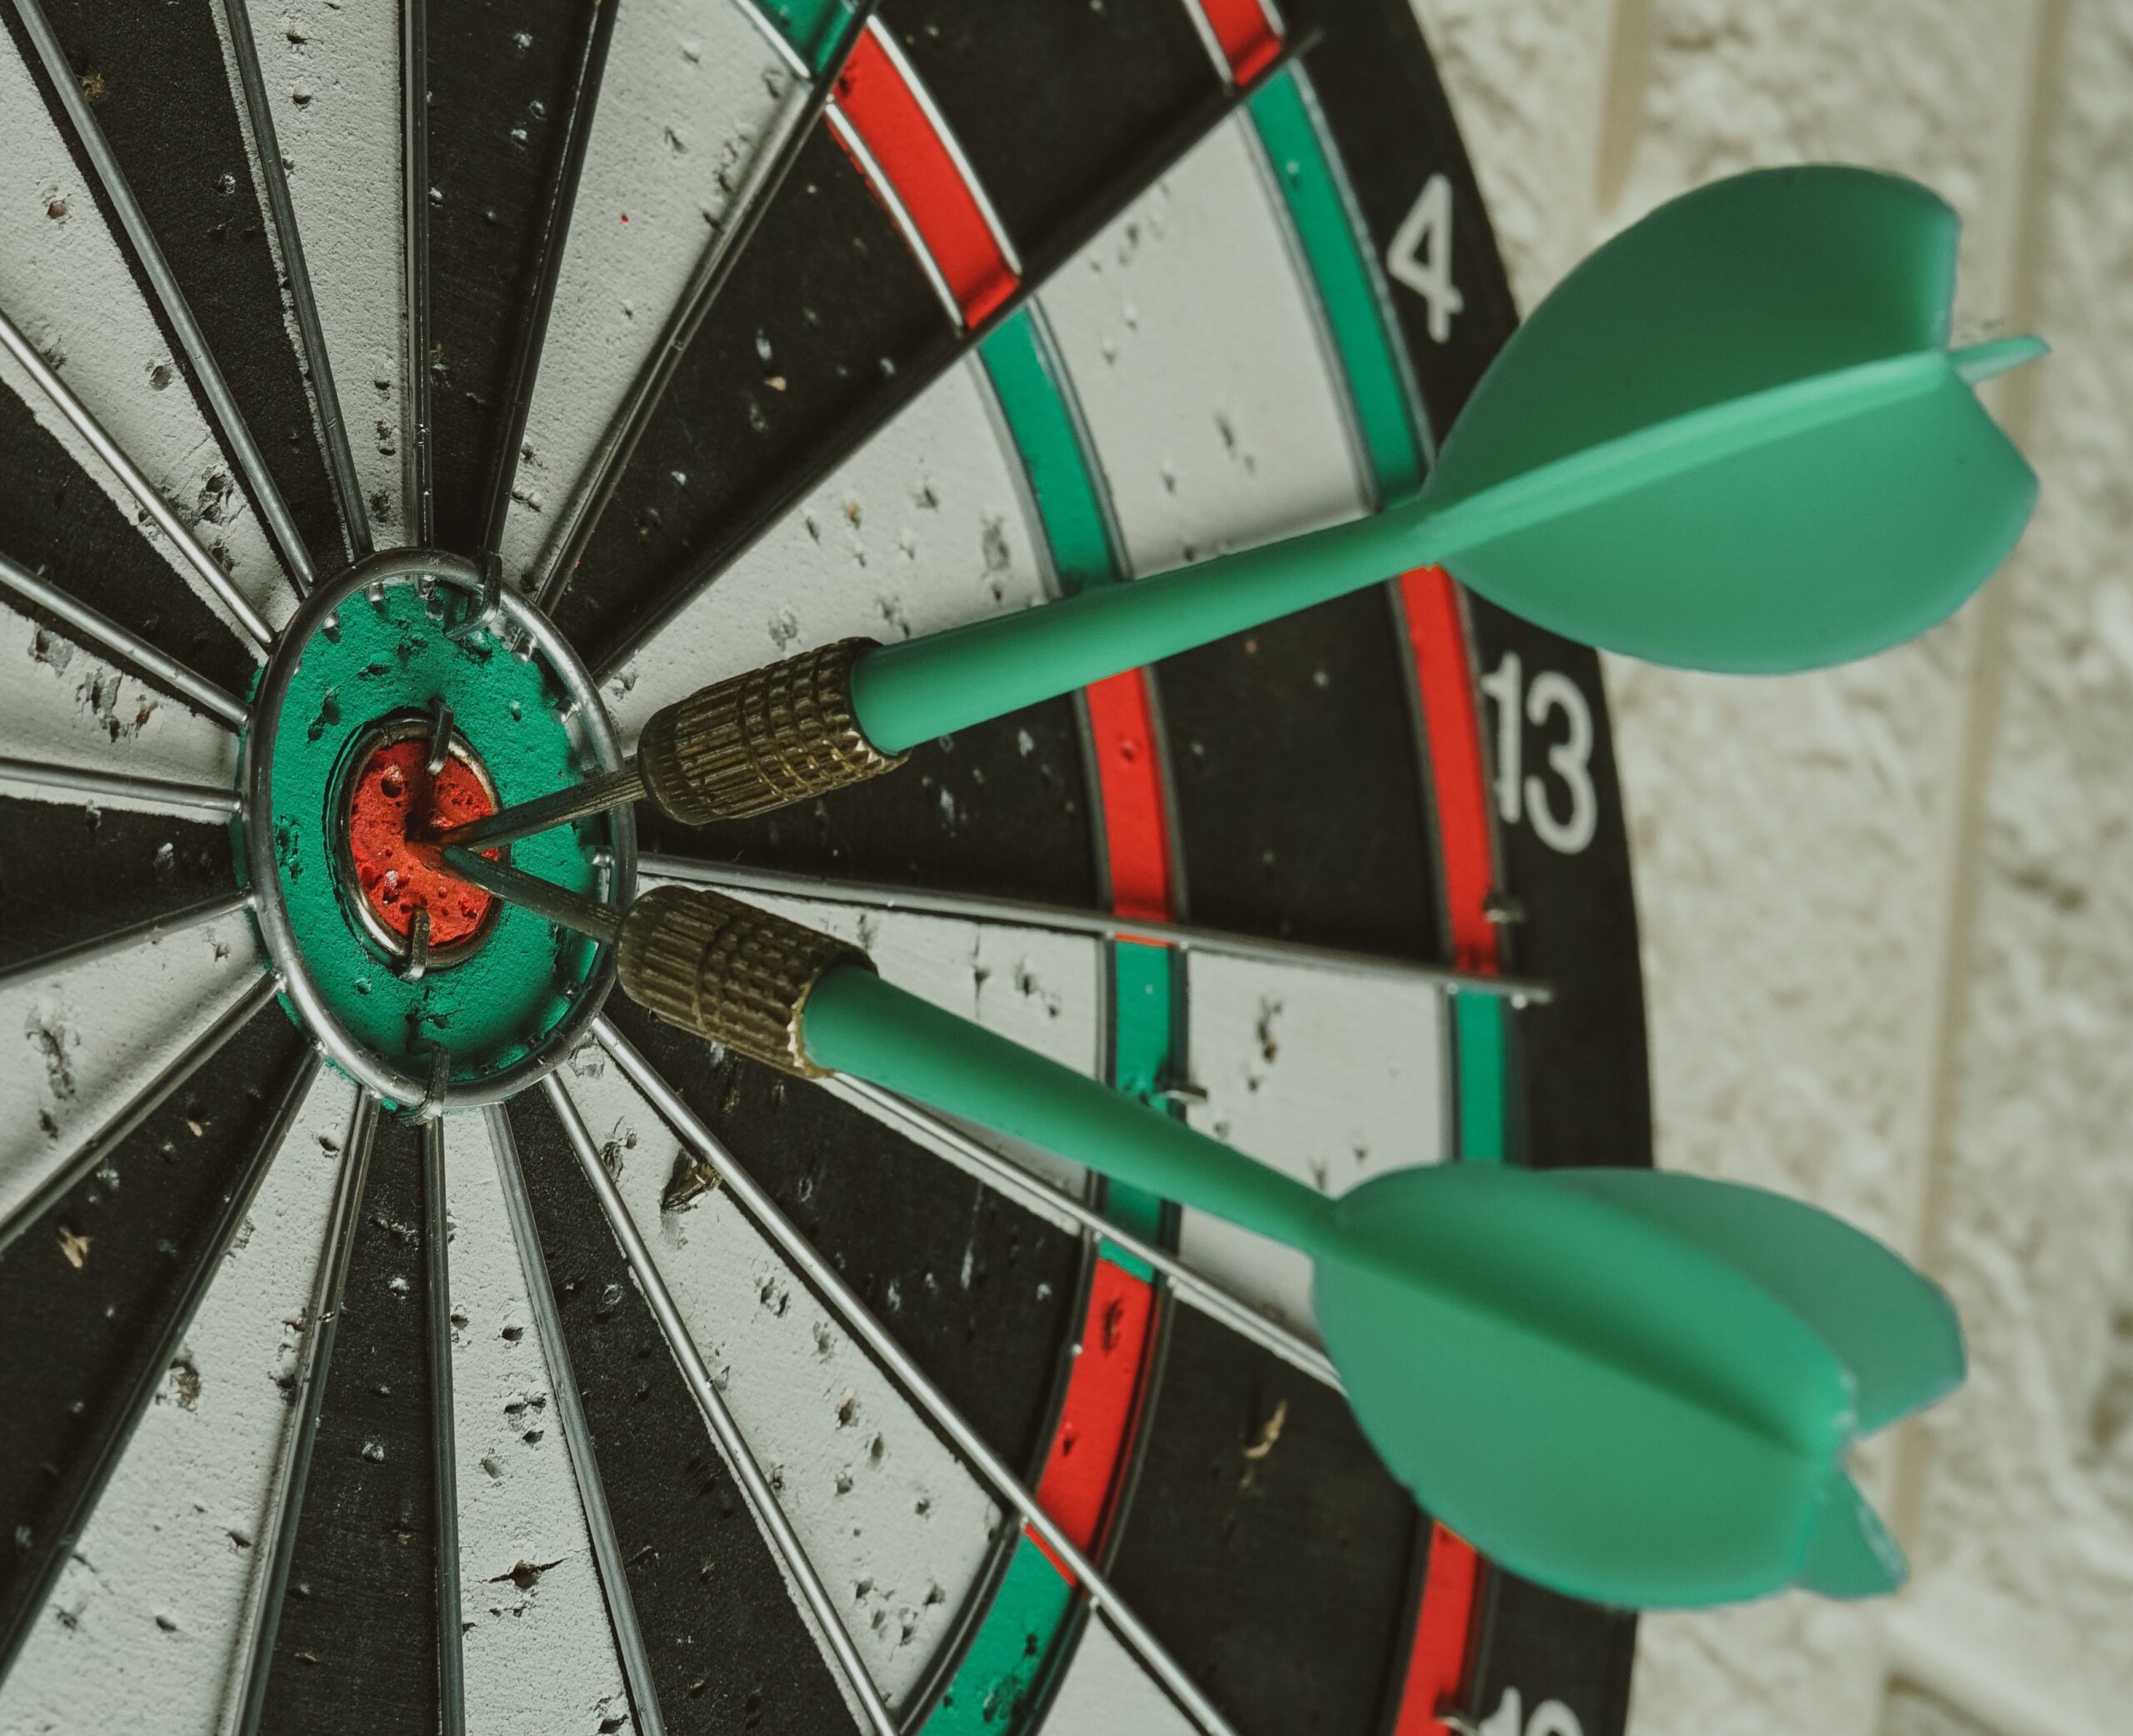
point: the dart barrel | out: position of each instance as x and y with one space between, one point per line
762 740
725 971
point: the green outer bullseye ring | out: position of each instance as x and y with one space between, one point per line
517 1005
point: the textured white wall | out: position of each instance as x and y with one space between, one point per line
1888 911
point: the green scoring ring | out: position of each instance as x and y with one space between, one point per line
376 646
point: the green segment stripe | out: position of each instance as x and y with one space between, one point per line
993 1685
1329 232
1484 1079
1026 378
1144 1013
816 28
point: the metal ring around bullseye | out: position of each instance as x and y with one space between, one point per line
619 880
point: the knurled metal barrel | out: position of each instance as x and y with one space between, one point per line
728 971
778 735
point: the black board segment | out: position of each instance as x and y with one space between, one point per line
75 1328
1057 107
729 1648
1000 809
1294 770
826 316
1277 1582
57 520
70 872
502 77
160 87
356 1646
903 1227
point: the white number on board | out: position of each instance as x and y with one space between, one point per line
1551 1718
1527 796
1421 256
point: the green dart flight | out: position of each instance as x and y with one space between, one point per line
1632 1387
1734 439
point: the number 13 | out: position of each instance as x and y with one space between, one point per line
1523 796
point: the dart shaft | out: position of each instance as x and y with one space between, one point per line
852 1022
913 691
595 795
586 916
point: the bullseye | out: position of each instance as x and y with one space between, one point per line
395 806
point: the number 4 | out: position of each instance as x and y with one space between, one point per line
1421 256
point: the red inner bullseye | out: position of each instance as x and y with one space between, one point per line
393 795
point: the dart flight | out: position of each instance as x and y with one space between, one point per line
1733 439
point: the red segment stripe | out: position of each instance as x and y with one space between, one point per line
1135 820
1102 1393
879 97
1249 37
1436 636
1444 1625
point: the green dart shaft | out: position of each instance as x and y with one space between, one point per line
855 1023
908 693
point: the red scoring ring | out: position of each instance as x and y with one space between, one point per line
394 793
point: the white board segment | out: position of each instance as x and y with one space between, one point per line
924 529
1329 1077
66 284
691 88
895 1527
78 1045
141 1632
540 1656
1105 1692
332 69
64 702
1194 348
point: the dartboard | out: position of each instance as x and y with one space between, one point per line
403 1331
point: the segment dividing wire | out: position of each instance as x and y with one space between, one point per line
1224 1305
123 643
755 1486
145 1102
444 1458
415 393
773 161
273 177
827 1282
255 1660
59 1540
188 546
1065 919
548 265
206 371
702 574
577 1432
121 786
145 933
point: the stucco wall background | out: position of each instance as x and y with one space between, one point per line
1888 911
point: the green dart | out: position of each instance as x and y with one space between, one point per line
1718 1347
1733 439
